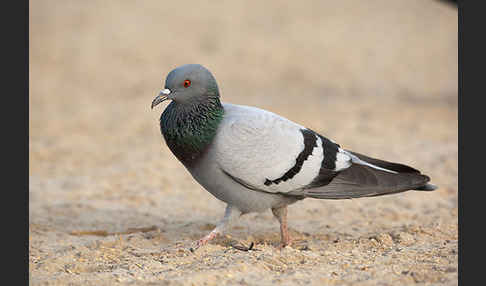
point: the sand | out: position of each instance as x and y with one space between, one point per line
110 205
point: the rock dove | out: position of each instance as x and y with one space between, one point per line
254 160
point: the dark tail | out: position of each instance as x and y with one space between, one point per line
428 187
365 181
399 168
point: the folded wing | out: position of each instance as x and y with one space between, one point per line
265 152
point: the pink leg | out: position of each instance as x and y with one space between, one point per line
281 215
213 234
229 215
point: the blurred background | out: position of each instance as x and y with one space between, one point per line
378 77
95 66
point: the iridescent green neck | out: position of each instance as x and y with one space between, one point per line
188 129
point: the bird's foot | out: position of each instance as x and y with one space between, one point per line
204 240
285 242
229 215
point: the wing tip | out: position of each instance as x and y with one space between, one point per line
427 187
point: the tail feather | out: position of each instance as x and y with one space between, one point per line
427 187
364 180
396 167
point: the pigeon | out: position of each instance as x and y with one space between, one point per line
255 160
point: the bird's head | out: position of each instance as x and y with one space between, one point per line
188 84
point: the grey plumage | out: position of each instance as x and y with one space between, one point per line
255 160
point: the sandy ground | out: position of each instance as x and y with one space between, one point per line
109 204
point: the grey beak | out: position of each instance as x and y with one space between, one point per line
163 95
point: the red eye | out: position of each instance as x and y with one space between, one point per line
187 83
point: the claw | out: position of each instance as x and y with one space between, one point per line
204 240
230 215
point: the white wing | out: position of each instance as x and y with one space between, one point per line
267 152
